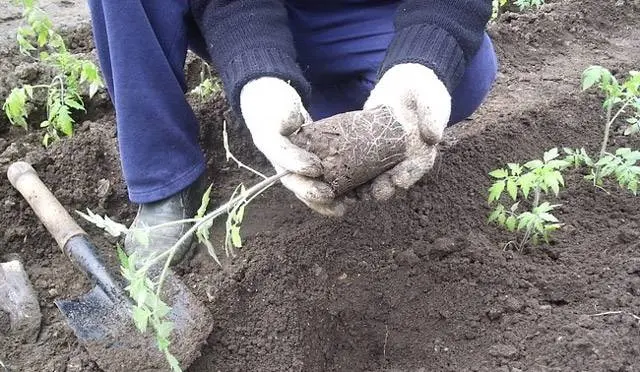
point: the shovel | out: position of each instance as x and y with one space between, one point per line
101 318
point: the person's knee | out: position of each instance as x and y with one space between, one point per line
476 83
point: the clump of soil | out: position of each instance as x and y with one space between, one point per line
354 147
420 282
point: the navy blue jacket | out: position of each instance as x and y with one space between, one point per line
251 38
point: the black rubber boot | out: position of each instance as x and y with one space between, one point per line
180 206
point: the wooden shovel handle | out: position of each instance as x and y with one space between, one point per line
48 209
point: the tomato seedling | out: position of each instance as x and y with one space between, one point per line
73 77
538 177
526 185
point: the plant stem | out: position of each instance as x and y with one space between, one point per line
255 189
607 127
536 202
232 157
536 197
172 223
525 239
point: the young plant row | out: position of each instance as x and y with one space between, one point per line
500 5
73 77
522 196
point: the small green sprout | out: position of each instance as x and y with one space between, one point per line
209 84
620 98
207 88
499 5
528 4
526 184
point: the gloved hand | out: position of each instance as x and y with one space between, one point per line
422 104
272 111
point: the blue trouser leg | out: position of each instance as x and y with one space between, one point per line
142 46
351 94
476 83
341 49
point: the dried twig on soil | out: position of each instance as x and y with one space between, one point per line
386 338
617 313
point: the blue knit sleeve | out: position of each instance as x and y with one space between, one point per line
248 39
439 34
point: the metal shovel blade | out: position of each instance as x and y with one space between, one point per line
92 315
104 326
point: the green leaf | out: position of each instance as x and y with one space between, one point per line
632 129
551 181
62 119
558 164
510 223
502 217
15 106
495 214
548 217
534 164
512 188
591 76
499 173
526 183
496 190
122 258
75 104
524 220
42 38
550 155
46 139
545 207
205 202
515 169
173 362
236 240
141 236
163 343
161 309
163 329
141 318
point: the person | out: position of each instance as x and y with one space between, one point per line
283 63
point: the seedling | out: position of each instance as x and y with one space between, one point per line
526 185
73 77
499 5
620 98
209 84
528 4
150 311
537 177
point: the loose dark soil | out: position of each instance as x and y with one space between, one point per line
419 283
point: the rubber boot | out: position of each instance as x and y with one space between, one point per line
180 206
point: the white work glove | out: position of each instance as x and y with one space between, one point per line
272 111
421 103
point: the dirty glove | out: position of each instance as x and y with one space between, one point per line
421 103
272 111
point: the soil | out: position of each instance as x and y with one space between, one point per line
354 147
418 283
